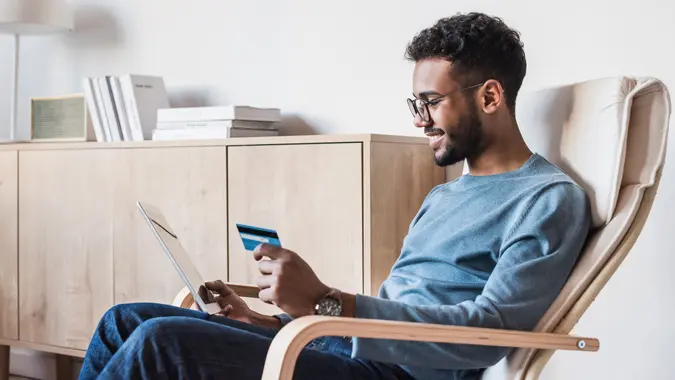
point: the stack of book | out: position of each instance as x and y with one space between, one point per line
124 108
216 122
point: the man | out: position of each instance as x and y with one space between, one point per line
489 249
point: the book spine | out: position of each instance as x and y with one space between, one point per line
132 109
98 95
93 109
120 108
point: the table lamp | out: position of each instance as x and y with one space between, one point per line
30 17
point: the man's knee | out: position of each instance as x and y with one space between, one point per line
119 311
128 315
151 331
163 333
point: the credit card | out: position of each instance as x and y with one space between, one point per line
254 236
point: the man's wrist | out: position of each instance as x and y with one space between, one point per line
348 305
267 321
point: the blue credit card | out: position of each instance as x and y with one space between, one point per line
254 236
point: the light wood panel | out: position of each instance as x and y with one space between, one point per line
189 186
9 270
401 176
42 348
65 239
238 141
312 196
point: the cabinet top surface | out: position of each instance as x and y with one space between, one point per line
241 141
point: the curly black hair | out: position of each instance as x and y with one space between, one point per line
480 47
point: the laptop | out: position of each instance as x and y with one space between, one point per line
171 246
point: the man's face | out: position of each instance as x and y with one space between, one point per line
454 128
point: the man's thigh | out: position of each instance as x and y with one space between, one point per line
183 347
142 312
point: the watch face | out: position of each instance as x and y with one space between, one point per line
329 306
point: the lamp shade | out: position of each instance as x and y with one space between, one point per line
35 16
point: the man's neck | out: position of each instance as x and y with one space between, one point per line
507 154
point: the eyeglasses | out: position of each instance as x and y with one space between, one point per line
421 106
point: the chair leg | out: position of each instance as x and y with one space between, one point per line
4 362
64 367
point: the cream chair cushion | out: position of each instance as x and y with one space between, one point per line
610 136
582 129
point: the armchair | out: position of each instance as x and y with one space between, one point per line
610 135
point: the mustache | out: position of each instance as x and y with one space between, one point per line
433 130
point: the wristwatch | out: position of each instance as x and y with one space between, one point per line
330 305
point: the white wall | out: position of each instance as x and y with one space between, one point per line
338 67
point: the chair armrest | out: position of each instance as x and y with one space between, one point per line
184 297
288 343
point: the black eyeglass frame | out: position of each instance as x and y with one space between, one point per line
414 109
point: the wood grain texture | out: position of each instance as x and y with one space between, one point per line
65 237
287 344
312 196
239 141
401 176
44 348
188 184
9 269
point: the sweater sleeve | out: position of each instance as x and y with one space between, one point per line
535 259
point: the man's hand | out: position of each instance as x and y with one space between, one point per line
287 281
233 306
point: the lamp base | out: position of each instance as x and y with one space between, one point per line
15 89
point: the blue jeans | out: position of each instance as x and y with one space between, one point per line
155 341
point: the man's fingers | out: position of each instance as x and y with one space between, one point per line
266 250
222 302
215 286
267 266
219 287
226 311
205 295
267 296
202 292
264 282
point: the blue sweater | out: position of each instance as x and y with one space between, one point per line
489 251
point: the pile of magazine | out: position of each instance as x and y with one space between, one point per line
216 122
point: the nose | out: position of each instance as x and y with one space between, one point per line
419 123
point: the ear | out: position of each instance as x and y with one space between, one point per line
491 96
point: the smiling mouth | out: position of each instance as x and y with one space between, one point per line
434 135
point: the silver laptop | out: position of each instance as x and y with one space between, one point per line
174 251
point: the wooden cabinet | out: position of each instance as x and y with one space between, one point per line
343 203
9 275
85 245
312 196
399 176
66 241
189 185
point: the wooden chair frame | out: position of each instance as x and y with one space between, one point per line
289 342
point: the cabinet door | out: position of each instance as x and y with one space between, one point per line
65 240
9 311
312 195
188 185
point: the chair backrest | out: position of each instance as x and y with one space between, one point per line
610 136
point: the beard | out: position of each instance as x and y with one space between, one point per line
464 141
